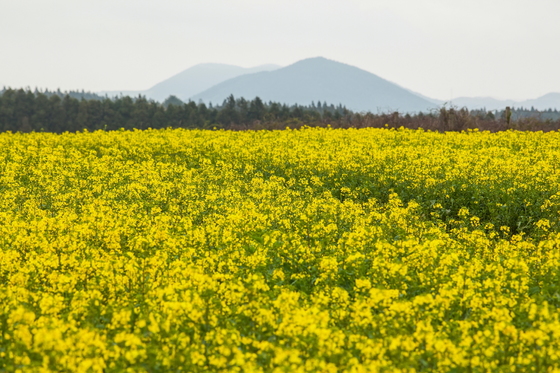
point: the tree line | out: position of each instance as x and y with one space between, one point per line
26 111
23 110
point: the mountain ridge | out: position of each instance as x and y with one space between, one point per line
311 80
320 79
547 101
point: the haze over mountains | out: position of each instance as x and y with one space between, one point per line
312 80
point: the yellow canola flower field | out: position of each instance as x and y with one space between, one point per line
312 250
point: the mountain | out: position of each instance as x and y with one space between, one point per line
194 80
320 79
487 103
312 80
548 101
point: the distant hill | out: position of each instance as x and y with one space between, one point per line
193 80
312 80
548 101
474 103
320 79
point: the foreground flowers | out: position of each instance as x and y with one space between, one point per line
312 250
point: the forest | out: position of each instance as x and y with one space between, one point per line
24 110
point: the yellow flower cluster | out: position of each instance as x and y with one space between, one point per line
315 250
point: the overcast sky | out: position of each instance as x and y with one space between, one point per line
440 48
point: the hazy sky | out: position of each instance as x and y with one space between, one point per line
440 48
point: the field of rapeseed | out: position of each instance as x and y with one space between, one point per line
313 250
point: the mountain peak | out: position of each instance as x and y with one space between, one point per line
322 62
314 60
